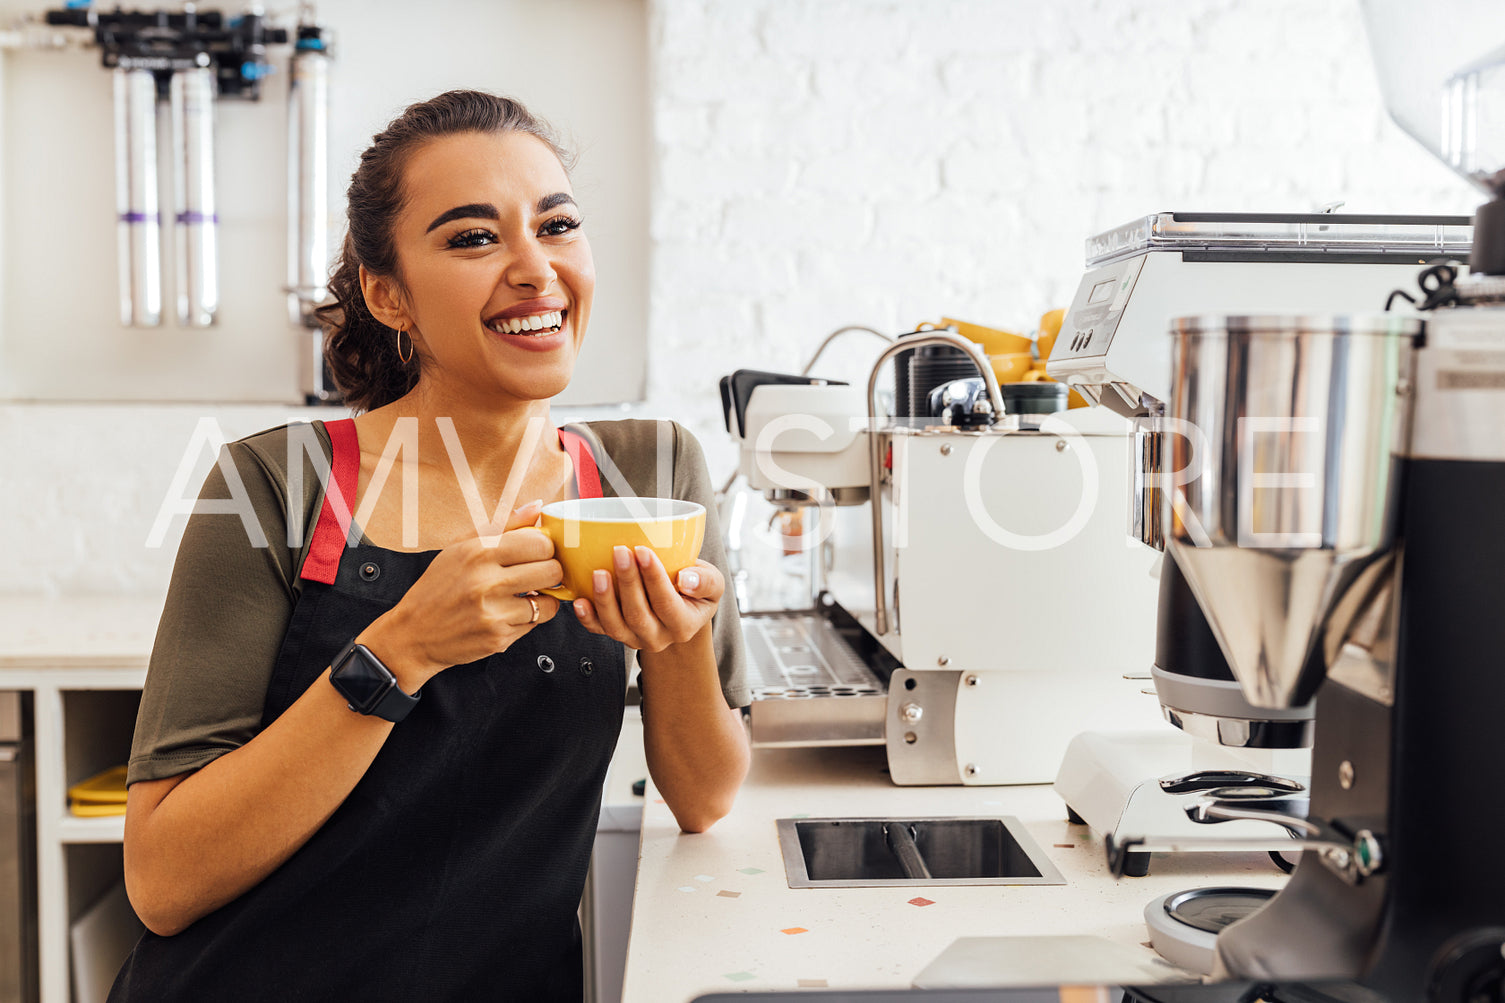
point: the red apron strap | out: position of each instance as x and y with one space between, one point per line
333 527
587 476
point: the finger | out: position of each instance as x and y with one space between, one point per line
521 546
586 614
532 576
524 515
607 607
668 606
637 612
535 609
491 534
703 581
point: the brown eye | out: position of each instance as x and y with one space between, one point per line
472 238
559 226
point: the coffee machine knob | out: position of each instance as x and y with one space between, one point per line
1368 855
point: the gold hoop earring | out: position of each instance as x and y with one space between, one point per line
405 358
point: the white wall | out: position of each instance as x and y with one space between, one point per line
822 163
890 161
60 336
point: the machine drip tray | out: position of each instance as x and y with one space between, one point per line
817 679
884 852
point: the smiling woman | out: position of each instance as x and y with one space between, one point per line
365 770
365 355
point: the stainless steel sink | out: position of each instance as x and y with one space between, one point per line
882 852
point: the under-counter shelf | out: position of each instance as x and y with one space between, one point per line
110 829
84 708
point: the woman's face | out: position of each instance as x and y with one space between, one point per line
496 272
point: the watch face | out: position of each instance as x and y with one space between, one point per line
361 682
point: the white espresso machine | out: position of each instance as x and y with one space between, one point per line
947 544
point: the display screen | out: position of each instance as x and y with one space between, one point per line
1101 291
361 682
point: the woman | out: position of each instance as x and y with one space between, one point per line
373 771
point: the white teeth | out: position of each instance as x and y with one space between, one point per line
538 322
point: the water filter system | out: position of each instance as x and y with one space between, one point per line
185 61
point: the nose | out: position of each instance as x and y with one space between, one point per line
531 267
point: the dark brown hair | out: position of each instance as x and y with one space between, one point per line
360 350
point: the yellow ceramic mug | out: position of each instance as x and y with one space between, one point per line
585 530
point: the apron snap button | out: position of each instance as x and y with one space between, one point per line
370 572
546 663
586 668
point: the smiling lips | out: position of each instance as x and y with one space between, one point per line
534 324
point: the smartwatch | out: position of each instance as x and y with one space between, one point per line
368 686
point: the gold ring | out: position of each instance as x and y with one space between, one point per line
534 603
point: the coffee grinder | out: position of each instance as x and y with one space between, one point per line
1335 509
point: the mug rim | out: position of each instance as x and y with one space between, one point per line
568 509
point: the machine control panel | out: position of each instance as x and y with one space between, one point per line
1080 357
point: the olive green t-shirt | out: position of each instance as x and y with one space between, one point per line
235 580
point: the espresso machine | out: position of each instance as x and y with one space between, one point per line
944 543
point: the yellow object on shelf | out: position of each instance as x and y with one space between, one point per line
1011 367
101 794
992 340
93 809
1017 358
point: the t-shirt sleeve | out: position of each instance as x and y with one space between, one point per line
692 482
227 609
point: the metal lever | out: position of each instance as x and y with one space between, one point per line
1352 859
1207 780
1220 811
900 839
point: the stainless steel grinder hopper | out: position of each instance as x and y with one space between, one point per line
1282 448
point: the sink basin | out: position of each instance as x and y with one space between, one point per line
884 852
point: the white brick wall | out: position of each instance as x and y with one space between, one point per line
824 162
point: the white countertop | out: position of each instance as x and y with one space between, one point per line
713 911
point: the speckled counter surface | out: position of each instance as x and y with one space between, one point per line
713 911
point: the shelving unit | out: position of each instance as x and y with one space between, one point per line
83 721
84 662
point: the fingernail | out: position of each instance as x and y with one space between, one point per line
689 580
622 556
645 556
581 606
599 581
535 503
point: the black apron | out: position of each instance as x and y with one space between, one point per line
454 868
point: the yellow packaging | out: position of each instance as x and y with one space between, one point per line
101 794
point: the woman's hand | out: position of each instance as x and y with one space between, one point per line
642 608
471 602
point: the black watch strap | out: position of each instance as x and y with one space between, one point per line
394 704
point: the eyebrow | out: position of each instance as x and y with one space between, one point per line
485 210
553 202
